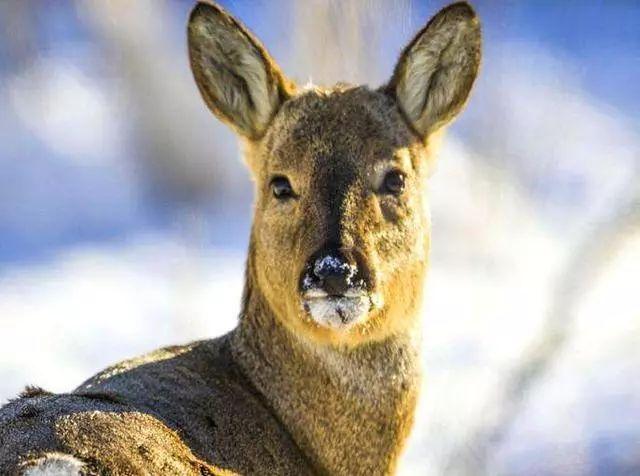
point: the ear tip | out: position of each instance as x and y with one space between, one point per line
459 9
206 14
460 12
207 4
205 7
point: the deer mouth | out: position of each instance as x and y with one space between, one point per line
336 287
336 311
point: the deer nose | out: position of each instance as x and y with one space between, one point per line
334 273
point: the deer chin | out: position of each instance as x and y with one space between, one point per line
341 312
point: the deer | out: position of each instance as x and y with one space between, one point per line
322 373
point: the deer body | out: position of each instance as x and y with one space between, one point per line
321 375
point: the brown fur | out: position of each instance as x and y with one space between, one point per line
282 394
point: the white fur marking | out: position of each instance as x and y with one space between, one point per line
55 464
338 313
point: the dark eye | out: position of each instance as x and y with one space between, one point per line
281 188
393 182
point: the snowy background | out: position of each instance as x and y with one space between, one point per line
125 209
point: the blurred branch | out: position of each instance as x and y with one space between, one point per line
584 266
17 42
341 40
182 156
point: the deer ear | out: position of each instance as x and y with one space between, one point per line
434 75
235 75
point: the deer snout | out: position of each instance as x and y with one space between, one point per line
336 288
334 272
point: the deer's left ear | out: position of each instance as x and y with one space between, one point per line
434 75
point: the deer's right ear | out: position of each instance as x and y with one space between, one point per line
235 75
434 75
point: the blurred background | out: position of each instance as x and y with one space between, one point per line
125 212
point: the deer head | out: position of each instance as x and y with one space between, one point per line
340 236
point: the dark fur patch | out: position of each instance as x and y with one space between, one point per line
33 391
28 411
105 397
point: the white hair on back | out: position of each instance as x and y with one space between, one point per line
55 464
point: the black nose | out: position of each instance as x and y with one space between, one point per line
334 273
336 270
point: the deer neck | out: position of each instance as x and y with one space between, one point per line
348 410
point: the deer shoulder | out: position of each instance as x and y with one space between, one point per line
180 410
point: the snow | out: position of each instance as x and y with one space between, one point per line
64 320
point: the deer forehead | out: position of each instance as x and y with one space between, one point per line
353 128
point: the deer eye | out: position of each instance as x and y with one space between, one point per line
281 188
393 183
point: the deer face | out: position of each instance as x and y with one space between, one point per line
340 232
340 236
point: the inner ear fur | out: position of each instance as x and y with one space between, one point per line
434 75
235 74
